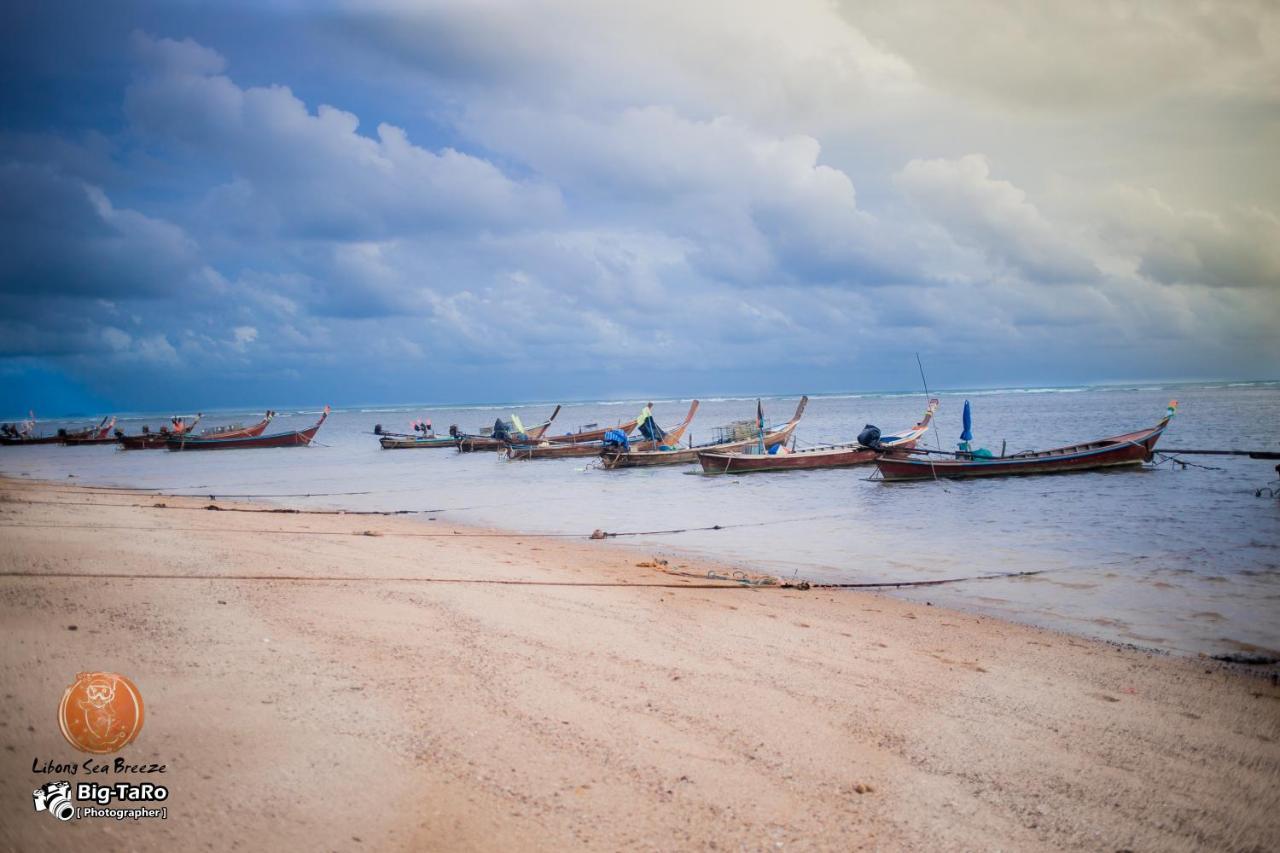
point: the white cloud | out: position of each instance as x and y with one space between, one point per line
993 216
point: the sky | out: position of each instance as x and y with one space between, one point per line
286 203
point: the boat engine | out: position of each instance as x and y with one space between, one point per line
616 439
870 436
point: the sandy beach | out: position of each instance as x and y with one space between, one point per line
311 686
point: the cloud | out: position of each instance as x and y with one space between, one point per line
1239 247
1082 56
65 237
994 217
312 174
521 200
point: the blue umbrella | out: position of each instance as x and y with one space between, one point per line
967 419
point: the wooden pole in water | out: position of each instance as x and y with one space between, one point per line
1252 454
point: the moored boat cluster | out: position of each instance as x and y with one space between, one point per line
748 446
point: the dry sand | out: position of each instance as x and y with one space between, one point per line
366 714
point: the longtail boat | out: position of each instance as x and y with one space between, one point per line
300 438
405 442
594 433
14 440
15 434
147 440
826 456
426 439
617 458
472 443
1133 448
553 449
238 431
101 434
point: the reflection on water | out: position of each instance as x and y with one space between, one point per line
1187 560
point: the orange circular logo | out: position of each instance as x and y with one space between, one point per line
101 712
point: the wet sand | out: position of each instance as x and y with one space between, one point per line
308 705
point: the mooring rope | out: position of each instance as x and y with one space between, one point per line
366 579
718 581
1165 457
276 510
598 534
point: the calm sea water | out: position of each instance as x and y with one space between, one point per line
1185 560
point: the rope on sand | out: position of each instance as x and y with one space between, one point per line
277 510
714 580
351 579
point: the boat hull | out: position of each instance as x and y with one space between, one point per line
554 450
143 442
744 463
76 442
1127 450
435 442
612 459
40 439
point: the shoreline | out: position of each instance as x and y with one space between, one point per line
310 678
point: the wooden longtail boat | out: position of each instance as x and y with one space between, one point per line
155 440
557 450
23 433
826 456
1132 448
583 436
405 442
301 438
612 458
101 434
239 431
473 443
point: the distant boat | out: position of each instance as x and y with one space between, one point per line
101 434
300 438
619 458
1133 448
147 440
826 456
553 449
397 441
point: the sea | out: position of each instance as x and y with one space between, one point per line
1184 559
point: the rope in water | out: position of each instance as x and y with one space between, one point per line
1166 457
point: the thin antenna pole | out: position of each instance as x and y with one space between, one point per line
936 439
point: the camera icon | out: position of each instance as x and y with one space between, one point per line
55 798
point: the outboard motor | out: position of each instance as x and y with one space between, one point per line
870 437
616 439
500 430
377 429
453 430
